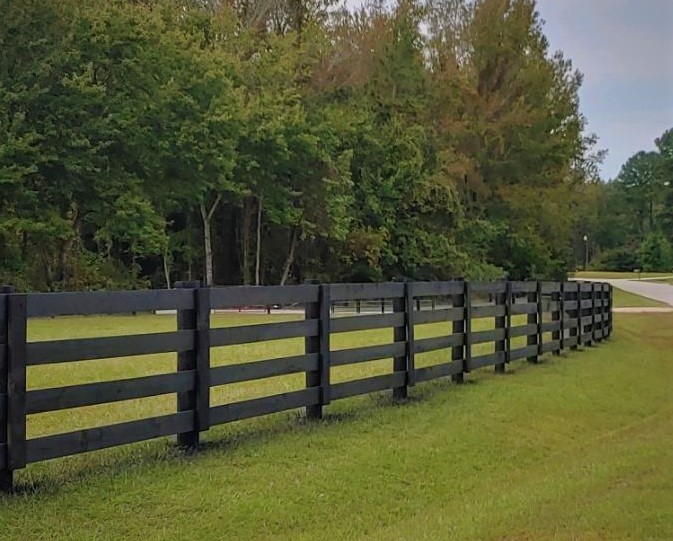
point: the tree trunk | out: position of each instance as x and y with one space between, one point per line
66 248
48 270
207 245
167 271
134 269
258 247
290 256
206 217
63 262
245 240
24 246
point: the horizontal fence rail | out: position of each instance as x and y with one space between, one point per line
525 321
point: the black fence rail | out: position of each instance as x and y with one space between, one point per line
550 316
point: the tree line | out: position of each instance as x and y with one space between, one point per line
280 141
629 220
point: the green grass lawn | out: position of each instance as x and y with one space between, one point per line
114 369
668 281
624 299
577 447
596 275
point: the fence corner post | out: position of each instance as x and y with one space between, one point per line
320 345
402 305
197 321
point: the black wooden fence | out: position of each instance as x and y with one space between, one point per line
558 316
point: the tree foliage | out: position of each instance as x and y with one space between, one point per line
655 254
256 141
630 219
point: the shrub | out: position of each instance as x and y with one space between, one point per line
655 253
621 259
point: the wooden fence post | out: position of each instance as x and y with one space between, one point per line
508 322
605 312
312 310
597 306
324 330
401 306
598 310
409 322
540 317
16 381
562 319
458 353
534 319
501 323
601 323
198 360
609 310
594 313
556 315
320 344
587 312
577 331
591 310
467 365
6 474
202 344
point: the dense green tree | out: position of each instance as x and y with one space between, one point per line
72 146
665 148
641 181
257 141
656 254
634 208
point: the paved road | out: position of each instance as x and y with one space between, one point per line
651 290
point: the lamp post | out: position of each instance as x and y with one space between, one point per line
586 251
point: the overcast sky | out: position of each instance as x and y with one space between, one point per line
624 48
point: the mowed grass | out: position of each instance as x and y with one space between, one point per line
609 275
667 281
577 447
624 299
115 369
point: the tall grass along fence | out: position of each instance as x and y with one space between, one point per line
530 319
